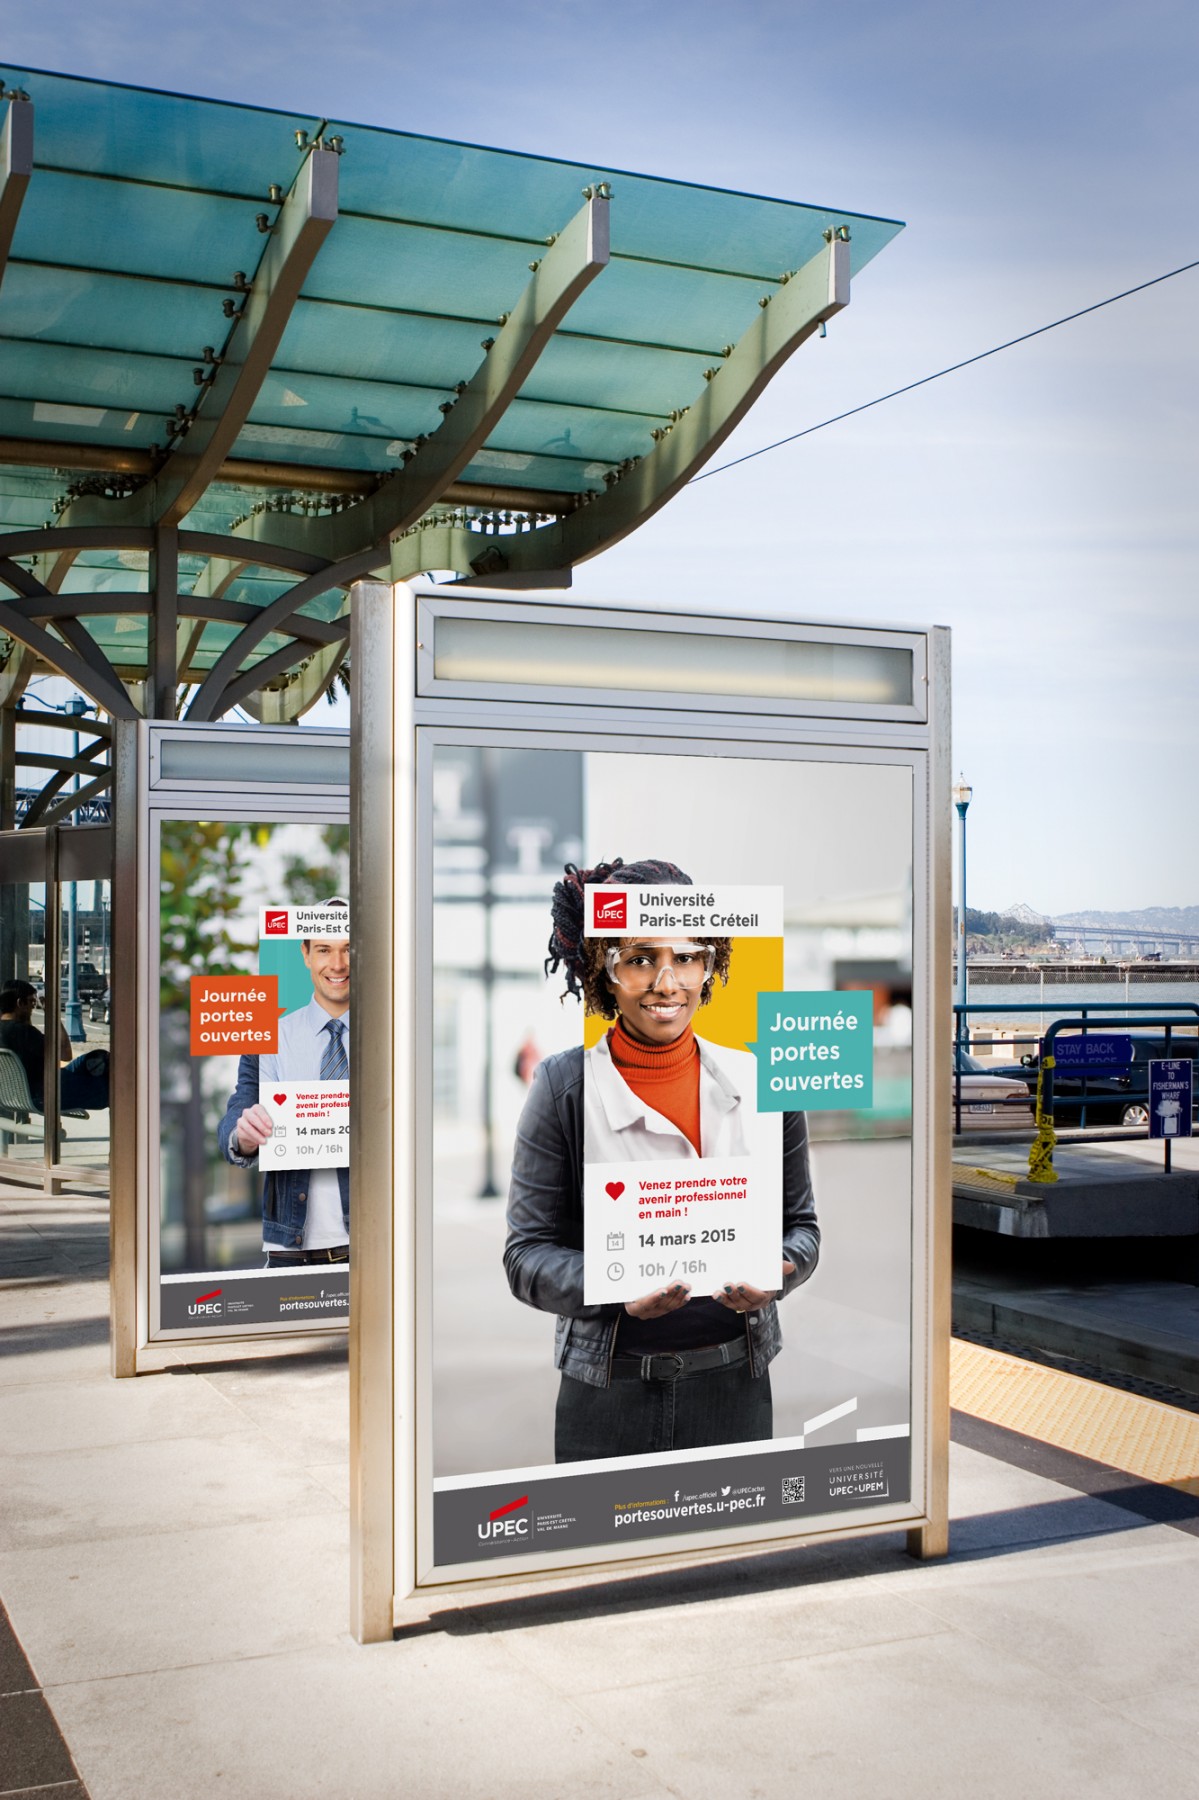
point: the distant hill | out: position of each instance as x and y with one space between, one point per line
1016 928
1147 918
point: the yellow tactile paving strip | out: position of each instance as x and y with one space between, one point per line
989 1181
1140 1436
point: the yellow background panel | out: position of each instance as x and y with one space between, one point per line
731 1016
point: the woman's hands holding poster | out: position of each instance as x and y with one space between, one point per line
660 1302
739 1297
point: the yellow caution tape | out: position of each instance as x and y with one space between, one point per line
1040 1154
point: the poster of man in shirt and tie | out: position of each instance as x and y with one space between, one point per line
289 1112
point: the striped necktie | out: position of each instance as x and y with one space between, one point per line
334 1063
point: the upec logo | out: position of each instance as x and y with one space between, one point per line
276 921
207 1304
612 912
507 1521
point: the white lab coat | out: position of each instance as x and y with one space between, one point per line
620 1127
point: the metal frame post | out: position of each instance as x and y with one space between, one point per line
380 867
932 1538
124 1083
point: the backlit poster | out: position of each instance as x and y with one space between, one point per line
254 965
670 1142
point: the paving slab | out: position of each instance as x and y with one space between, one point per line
123 1606
174 1553
929 1718
135 1489
434 1717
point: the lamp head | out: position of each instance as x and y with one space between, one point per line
963 793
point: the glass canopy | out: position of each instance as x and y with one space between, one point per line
148 217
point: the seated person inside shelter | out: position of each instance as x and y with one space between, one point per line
670 1370
82 1081
305 1212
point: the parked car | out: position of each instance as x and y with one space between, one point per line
1111 1099
991 1102
89 983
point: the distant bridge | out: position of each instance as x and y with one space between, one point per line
95 811
1113 940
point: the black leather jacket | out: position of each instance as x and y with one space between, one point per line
543 1256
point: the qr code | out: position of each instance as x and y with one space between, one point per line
793 1490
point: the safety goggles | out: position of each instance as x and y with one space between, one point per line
636 968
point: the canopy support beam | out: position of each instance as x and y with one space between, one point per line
16 166
304 222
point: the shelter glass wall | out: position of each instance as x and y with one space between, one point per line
55 1034
835 839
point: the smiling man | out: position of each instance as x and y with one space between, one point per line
305 1212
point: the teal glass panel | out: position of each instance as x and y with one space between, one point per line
425 271
141 134
110 312
523 468
371 344
68 422
86 378
132 228
330 404
318 449
471 188
575 431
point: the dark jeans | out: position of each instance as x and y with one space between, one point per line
635 1418
83 1084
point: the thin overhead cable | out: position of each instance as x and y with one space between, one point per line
951 370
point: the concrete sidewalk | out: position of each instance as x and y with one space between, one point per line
173 1556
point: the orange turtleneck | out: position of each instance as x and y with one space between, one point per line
665 1076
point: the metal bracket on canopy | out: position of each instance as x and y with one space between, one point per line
304 222
16 166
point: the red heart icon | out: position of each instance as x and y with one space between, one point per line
615 1188
280 1099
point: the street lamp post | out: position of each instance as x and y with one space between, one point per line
962 795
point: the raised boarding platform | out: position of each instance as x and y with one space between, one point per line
1102 1191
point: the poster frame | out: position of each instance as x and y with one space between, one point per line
143 800
391 1481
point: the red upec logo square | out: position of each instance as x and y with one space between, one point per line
276 922
612 912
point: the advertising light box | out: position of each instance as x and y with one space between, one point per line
689 1304
663 1149
253 1074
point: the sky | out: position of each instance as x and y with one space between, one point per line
1042 504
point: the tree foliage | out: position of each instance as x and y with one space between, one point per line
203 865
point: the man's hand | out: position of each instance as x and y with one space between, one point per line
252 1130
660 1302
739 1297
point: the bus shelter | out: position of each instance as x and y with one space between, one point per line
262 373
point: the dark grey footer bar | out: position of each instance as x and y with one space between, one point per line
315 1293
500 1519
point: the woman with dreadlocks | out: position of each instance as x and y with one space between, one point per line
671 1370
